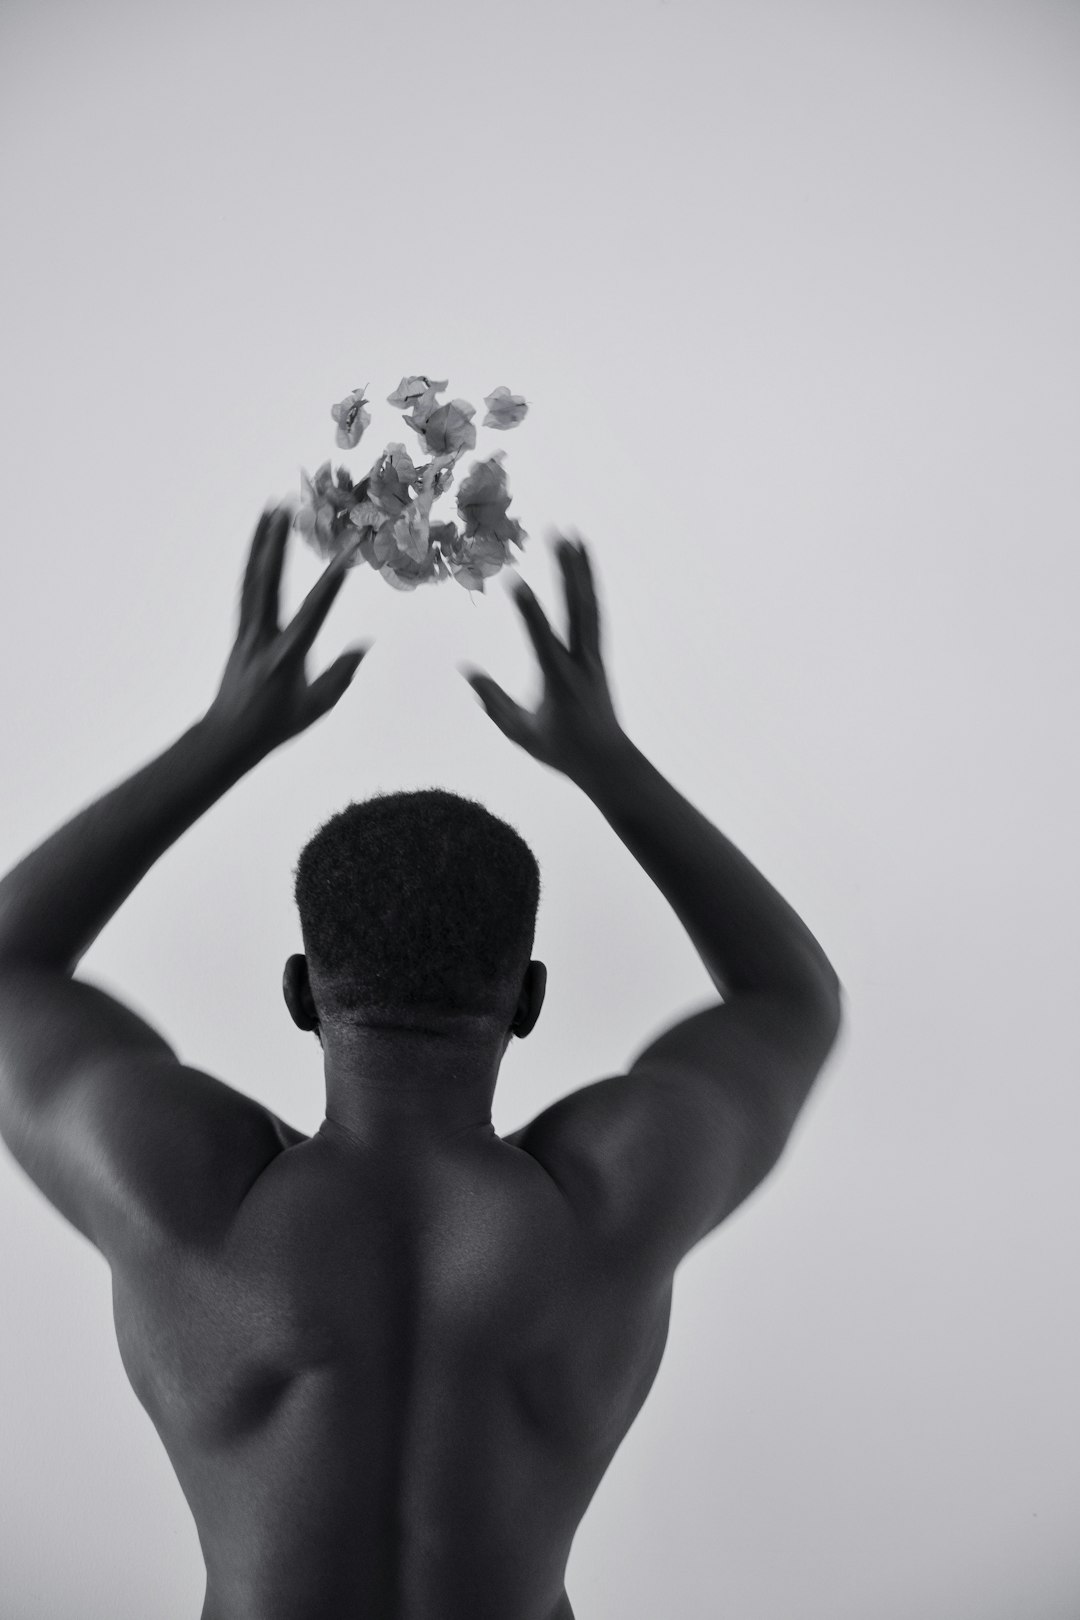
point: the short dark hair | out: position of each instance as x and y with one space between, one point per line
416 906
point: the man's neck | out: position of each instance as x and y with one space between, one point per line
390 1088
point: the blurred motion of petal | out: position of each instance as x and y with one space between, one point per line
352 419
505 410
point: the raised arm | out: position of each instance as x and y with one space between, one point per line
747 935
655 1158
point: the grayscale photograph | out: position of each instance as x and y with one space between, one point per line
539 1076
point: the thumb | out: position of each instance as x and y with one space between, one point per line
507 715
482 685
332 684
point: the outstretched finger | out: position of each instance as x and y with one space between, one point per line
575 594
258 596
301 633
589 611
544 639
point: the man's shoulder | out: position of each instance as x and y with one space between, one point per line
184 1159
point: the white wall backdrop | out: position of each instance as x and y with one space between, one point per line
791 291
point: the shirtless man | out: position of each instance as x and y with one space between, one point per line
391 1363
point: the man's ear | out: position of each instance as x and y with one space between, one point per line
530 1000
296 988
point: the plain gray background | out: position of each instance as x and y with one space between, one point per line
791 291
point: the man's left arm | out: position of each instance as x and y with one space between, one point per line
79 1109
57 900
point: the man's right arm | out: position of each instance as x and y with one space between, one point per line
746 934
655 1158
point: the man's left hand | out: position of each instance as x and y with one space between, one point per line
264 698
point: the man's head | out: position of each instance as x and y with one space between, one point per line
418 914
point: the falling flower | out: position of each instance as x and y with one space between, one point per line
324 514
419 392
391 506
351 418
505 410
405 575
483 499
390 480
447 430
472 559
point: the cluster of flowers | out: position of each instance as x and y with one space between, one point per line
391 506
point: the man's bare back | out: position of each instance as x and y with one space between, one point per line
391 1392
391 1363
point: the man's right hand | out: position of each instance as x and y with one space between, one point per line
575 725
